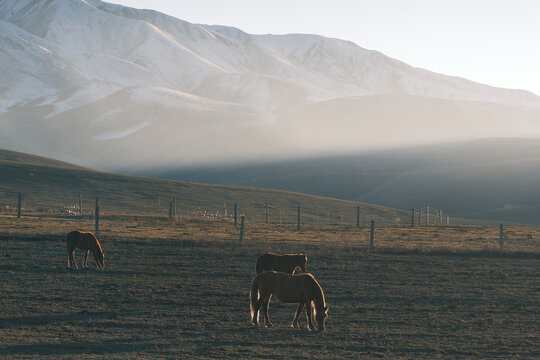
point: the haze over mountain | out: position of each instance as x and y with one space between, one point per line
119 88
490 179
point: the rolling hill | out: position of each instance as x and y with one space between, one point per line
48 185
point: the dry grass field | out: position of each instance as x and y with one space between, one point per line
179 289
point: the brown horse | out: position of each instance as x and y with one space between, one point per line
285 263
85 241
302 289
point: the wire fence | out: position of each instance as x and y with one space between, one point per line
293 213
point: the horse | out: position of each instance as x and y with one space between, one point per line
285 263
302 289
85 241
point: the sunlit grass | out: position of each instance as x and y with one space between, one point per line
451 238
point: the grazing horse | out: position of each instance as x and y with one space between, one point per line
85 241
302 289
285 263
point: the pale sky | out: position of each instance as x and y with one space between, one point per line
496 42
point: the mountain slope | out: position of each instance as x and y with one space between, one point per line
113 78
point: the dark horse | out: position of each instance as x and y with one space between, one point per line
285 263
85 241
302 289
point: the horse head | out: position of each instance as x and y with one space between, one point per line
100 258
320 318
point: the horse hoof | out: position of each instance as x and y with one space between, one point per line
268 325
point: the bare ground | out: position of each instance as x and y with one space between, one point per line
187 297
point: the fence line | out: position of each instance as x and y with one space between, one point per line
425 214
336 214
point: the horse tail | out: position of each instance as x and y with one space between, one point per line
71 244
68 248
259 266
253 295
71 240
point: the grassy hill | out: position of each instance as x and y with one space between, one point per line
54 187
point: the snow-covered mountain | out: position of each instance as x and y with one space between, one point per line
107 85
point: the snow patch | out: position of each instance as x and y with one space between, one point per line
170 98
114 135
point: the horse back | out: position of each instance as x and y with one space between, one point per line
288 288
266 262
83 240
274 262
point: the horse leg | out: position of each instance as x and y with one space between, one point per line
69 252
266 305
256 307
298 311
309 312
85 264
255 319
73 262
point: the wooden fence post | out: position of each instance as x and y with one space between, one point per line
447 220
267 215
420 217
80 204
358 216
371 234
170 209
241 238
174 206
412 217
440 217
96 224
427 215
19 204
501 236
235 215
298 222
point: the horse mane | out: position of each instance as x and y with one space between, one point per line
98 245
